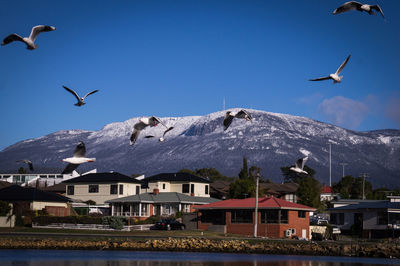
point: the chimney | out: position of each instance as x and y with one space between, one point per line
156 191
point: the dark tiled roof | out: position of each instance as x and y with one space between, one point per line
164 197
284 188
61 188
102 178
18 193
171 177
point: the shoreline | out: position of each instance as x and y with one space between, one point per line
199 244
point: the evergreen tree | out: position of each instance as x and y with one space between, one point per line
244 172
21 170
352 188
242 188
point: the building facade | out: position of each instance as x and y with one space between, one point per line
277 218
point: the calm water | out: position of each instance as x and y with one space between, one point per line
125 258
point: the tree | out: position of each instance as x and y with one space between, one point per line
4 208
211 173
309 188
242 188
244 172
352 188
21 170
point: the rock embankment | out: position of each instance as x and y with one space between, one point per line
378 250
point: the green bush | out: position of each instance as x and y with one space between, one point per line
115 222
19 221
151 220
5 208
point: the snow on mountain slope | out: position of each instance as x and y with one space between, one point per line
269 141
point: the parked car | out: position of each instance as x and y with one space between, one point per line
168 224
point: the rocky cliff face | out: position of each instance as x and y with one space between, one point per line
269 141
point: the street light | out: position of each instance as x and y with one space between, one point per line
256 209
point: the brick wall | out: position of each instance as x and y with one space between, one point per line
58 211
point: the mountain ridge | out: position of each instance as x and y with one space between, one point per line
270 140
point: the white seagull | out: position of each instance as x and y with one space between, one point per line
353 5
77 159
299 166
143 122
81 101
335 77
29 41
230 115
162 138
28 162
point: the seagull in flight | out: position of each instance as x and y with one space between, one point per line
29 41
230 115
143 123
335 77
353 5
81 101
162 138
77 159
28 162
299 166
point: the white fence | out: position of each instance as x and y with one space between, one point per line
139 227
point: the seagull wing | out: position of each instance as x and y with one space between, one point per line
90 93
11 38
136 131
227 120
168 129
378 9
69 168
342 65
303 162
38 29
80 150
154 121
352 5
298 163
243 114
318 79
73 92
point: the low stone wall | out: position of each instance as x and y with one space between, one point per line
378 250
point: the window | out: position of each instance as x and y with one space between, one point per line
301 214
269 216
382 218
163 186
185 188
337 218
113 189
192 188
291 198
241 216
206 190
70 190
121 189
213 216
137 190
52 176
284 216
93 188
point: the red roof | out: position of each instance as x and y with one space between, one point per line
326 189
250 203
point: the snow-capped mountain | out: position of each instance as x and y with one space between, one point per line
269 141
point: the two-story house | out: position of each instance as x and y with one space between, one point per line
100 187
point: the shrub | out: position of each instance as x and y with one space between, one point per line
115 222
5 208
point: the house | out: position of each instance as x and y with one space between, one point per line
24 199
184 183
327 194
144 205
285 191
277 218
100 187
367 218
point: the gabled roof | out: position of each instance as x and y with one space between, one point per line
163 197
326 189
17 193
176 177
249 203
284 188
60 188
112 177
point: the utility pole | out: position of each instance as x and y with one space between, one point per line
363 175
343 165
330 164
256 209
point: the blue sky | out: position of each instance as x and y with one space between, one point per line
180 58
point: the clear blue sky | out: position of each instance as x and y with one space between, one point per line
180 58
